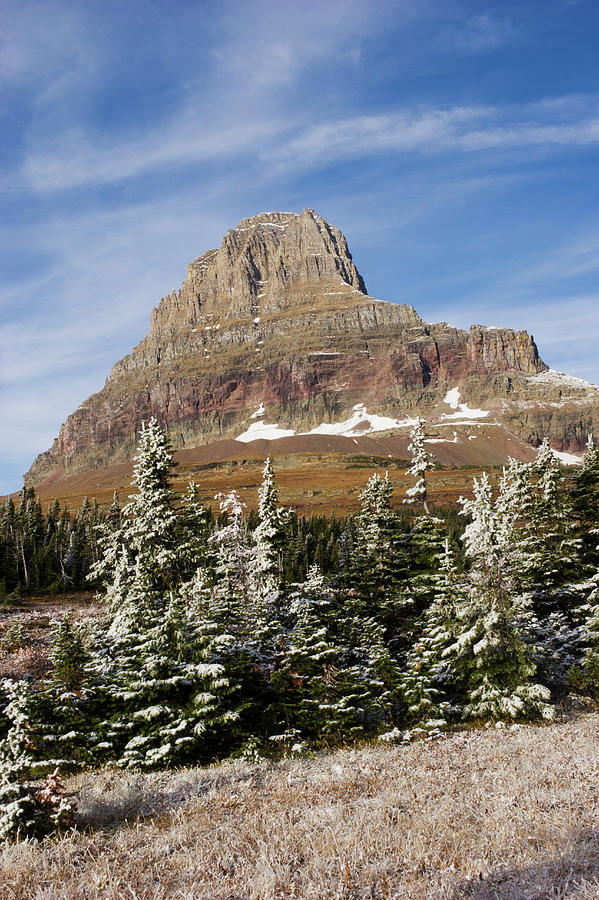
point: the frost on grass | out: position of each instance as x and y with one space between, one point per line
484 814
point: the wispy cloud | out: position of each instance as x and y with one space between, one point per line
577 257
479 33
436 131
40 43
243 97
545 299
296 145
183 141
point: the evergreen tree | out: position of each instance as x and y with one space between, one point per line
584 674
10 564
67 703
113 516
193 530
421 463
17 806
268 536
555 548
69 656
335 680
423 547
377 566
166 693
426 674
168 696
138 562
27 808
229 590
585 504
493 657
540 535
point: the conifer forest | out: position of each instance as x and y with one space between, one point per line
228 633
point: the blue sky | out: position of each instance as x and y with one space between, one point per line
456 144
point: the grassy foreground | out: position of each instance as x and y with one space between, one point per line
488 814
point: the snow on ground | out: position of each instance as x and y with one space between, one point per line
260 224
568 459
471 422
260 431
462 410
361 422
552 376
452 398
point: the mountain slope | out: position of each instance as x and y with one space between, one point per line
276 326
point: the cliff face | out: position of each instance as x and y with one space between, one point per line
278 318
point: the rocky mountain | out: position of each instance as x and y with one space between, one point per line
274 335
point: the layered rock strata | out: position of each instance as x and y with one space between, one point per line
278 318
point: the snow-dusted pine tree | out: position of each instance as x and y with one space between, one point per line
585 503
27 809
67 701
424 546
553 551
493 656
138 559
335 679
583 676
165 695
228 587
426 671
375 565
18 818
113 516
69 656
268 536
420 465
586 510
194 523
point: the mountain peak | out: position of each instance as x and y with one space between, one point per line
267 263
278 319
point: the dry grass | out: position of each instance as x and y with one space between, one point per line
315 473
492 814
39 618
308 483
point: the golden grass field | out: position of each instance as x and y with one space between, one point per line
309 484
509 814
315 473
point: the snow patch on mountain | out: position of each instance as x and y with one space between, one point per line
552 376
260 431
452 398
568 459
462 410
361 422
